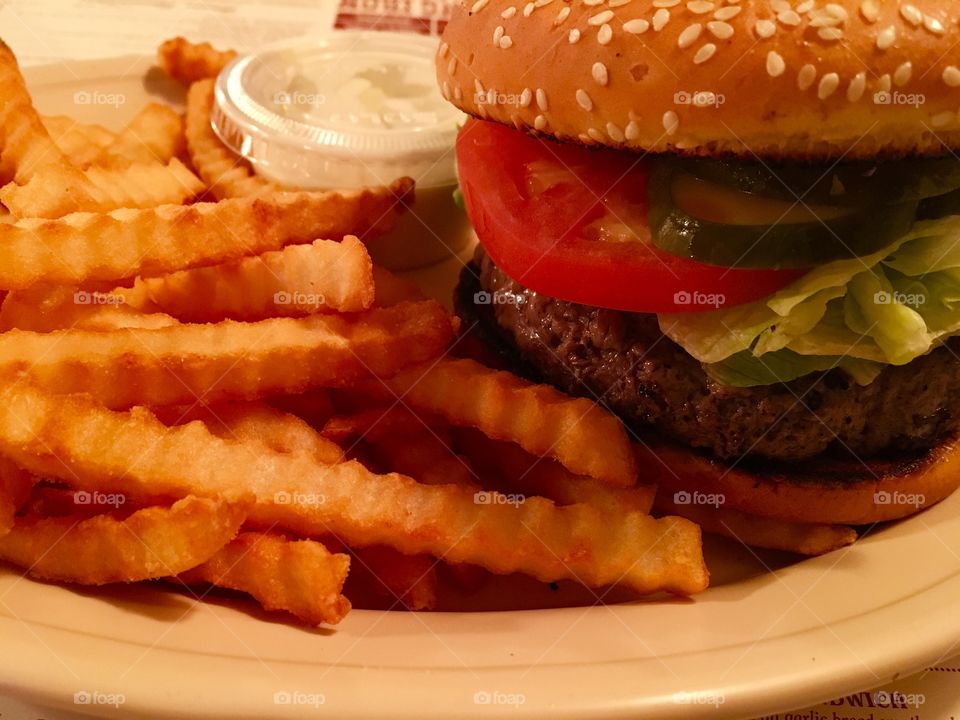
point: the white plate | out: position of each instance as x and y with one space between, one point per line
759 641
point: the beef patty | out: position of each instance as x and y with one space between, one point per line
623 360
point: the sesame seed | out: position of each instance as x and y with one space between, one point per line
526 97
830 34
479 5
870 10
660 18
584 138
902 74
689 35
943 119
605 35
601 18
951 76
779 6
727 13
775 64
592 3
665 3
828 85
508 13
824 20
636 27
444 49
542 100
574 36
805 7
542 3
633 131
857 87
457 94
506 42
806 76
837 11
886 37
600 73
528 9
765 28
584 101
670 122
700 7
618 3
562 15
911 14
540 122
704 53
497 34
788 17
615 133
452 66
720 30
446 90
595 135
933 25
478 86
883 84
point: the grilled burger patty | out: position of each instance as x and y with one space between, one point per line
623 359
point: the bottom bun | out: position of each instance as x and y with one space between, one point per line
822 490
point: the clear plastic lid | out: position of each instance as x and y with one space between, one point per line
346 109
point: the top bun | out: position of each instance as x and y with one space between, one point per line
778 79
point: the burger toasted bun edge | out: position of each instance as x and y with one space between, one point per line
784 80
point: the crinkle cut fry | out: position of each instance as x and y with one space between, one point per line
189 62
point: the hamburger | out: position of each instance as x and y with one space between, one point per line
736 225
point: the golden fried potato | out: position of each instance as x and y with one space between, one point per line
155 135
189 62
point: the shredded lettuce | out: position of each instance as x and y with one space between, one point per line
858 314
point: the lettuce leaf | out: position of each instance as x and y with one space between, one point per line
886 308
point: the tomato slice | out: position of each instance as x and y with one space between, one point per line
571 223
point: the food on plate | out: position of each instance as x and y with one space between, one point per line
296 281
755 268
94 247
229 393
189 62
225 174
228 360
543 421
151 543
301 577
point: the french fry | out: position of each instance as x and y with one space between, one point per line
15 487
225 173
756 531
300 577
303 496
314 407
189 62
44 309
81 143
229 360
380 422
155 135
381 577
425 457
53 191
526 473
582 436
90 247
151 543
298 280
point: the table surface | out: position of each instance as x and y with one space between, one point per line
44 32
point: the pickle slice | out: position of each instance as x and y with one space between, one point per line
714 224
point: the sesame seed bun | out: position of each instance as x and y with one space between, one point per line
778 79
